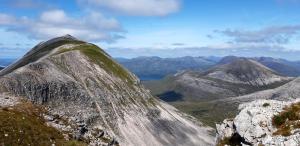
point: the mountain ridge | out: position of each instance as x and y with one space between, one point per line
39 51
157 67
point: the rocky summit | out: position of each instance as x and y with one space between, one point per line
87 96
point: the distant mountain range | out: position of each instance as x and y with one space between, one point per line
6 61
154 68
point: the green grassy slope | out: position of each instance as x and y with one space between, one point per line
24 125
99 57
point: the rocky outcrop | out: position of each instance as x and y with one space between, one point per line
79 82
254 125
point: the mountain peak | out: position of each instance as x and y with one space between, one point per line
243 70
69 37
228 59
41 50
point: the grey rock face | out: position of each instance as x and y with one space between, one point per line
254 124
80 82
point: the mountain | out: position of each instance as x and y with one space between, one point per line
239 77
245 71
149 68
281 66
86 95
228 59
1 67
201 94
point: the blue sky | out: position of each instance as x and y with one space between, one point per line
165 28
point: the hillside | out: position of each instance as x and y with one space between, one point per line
285 92
90 97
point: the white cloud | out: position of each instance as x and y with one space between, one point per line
273 35
92 26
6 19
137 7
54 16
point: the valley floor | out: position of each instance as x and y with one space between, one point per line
210 112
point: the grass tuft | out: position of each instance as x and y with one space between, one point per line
287 120
266 104
223 142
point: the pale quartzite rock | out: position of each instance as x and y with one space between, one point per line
254 124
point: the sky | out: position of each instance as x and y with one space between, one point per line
164 28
